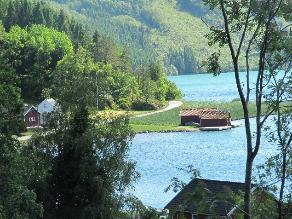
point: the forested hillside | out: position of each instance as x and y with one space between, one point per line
170 31
52 54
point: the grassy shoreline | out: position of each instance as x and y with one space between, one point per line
170 120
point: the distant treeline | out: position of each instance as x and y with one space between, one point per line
136 36
171 32
24 13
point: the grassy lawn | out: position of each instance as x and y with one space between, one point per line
170 120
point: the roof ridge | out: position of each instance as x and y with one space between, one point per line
28 110
214 180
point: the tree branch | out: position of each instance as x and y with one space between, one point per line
244 32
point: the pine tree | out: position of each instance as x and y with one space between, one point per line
38 16
3 8
62 24
73 170
89 168
10 18
78 34
49 16
24 13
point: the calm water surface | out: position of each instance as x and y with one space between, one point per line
208 87
217 155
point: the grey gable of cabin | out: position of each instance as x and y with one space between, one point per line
26 109
216 197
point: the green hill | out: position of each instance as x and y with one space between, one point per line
170 31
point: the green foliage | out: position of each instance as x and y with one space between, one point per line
172 92
251 29
27 12
213 65
150 213
263 203
10 101
87 158
155 86
74 81
170 32
79 73
113 87
44 59
37 14
105 51
77 165
17 200
34 54
143 105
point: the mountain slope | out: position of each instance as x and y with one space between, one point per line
170 31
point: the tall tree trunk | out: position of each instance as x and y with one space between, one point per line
250 157
282 184
247 189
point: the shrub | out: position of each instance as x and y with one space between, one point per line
172 92
143 105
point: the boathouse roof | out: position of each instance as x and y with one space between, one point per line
206 113
196 111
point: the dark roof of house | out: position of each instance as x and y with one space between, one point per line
196 111
185 200
216 115
27 109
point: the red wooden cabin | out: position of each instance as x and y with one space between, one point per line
32 117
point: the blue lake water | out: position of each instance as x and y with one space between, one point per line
206 87
217 155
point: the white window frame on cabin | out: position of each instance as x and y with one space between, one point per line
31 119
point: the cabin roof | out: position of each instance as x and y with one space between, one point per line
184 200
27 109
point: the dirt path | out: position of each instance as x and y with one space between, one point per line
172 105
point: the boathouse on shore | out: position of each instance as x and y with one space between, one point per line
205 117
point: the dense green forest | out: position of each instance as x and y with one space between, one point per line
48 50
172 32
